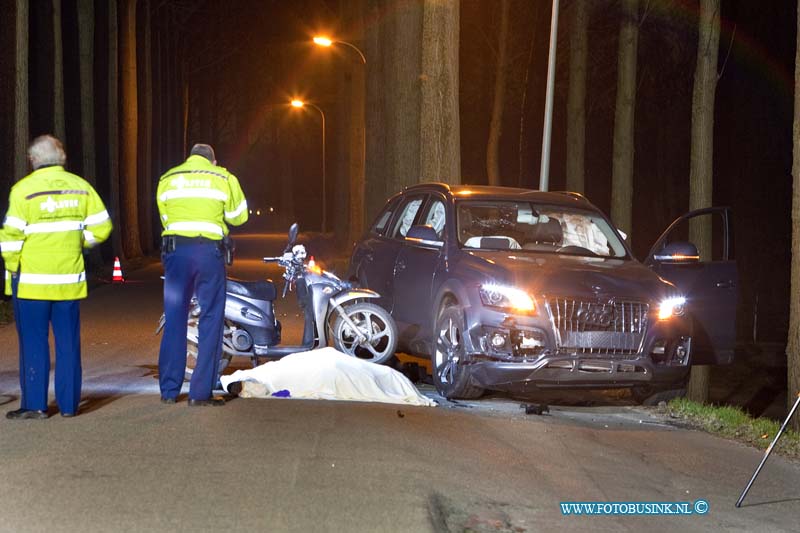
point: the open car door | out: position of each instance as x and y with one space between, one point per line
707 276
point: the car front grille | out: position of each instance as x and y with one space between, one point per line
600 327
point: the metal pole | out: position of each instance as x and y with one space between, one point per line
324 191
357 49
769 450
544 177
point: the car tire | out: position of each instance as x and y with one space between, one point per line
451 376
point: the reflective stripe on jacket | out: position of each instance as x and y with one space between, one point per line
52 215
199 199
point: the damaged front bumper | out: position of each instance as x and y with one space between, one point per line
514 353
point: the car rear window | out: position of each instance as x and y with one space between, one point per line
510 225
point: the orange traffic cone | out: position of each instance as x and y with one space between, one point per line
117 275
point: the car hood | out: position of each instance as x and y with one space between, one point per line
574 276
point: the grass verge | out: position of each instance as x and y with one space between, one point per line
733 423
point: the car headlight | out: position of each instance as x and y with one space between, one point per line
509 297
671 307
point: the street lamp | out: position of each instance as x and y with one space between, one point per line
357 178
298 104
321 40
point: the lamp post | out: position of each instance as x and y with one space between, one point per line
357 138
299 104
321 40
544 174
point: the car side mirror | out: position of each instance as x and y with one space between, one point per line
678 252
423 234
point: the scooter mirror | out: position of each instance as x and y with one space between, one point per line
293 229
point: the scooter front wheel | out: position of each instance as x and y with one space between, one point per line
191 351
376 338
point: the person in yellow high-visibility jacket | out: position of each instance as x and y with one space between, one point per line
196 200
52 216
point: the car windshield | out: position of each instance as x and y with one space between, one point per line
510 225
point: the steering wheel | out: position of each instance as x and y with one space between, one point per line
577 250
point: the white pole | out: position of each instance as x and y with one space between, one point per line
544 176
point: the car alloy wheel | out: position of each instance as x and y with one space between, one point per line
452 378
376 339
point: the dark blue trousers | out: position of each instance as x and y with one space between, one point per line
195 267
33 319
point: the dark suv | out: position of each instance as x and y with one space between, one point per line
513 289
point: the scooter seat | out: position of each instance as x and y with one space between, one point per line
260 290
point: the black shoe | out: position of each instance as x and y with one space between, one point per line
21 414
68 415
235 388
168 400
216 402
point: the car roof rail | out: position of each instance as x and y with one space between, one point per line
443 187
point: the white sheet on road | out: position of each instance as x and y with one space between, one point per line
327 374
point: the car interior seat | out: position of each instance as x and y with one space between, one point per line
547 233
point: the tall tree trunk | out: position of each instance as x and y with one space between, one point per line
793 342
146 179
622 164
701 161
113 126
59 130
523 155
21 119
185 115
130 110
393 100
86 52
498 101
349 141
284 138
440 140
576 97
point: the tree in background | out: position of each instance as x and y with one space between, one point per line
576 97
701 161
59 129
351 121
440 146
793 344
129 193
113 127
396 102
498 100
622 163
21 132
86 53
146 172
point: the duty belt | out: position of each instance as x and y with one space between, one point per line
226 246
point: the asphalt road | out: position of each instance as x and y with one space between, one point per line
129 463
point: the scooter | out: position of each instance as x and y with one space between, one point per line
332 309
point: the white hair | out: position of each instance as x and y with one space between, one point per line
46 150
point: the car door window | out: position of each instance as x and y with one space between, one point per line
435 217
707 232
408 213
382 221
709 285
